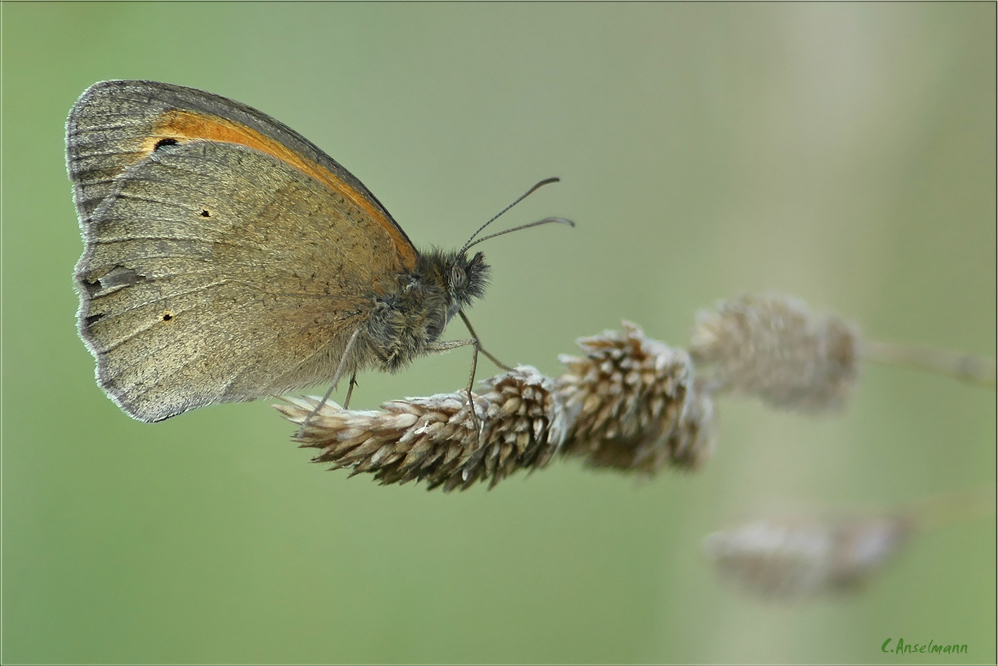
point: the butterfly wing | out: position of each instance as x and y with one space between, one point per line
116 124
215 271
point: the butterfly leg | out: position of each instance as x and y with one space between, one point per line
353 382
340 369
454 344
478 340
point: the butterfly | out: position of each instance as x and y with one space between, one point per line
227 258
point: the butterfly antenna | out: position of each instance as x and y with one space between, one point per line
546 220
523 196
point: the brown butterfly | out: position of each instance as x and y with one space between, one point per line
227 258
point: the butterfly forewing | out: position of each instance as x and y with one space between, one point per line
116 124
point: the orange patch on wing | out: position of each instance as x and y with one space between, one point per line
187 125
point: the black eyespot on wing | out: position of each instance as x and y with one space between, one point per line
205 213
167 316
162 143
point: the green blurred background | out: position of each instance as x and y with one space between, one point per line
841 153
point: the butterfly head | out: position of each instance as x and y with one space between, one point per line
461 279
468 279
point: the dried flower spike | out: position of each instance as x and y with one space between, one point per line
434 439
633 404
799 559
773 347
629 404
